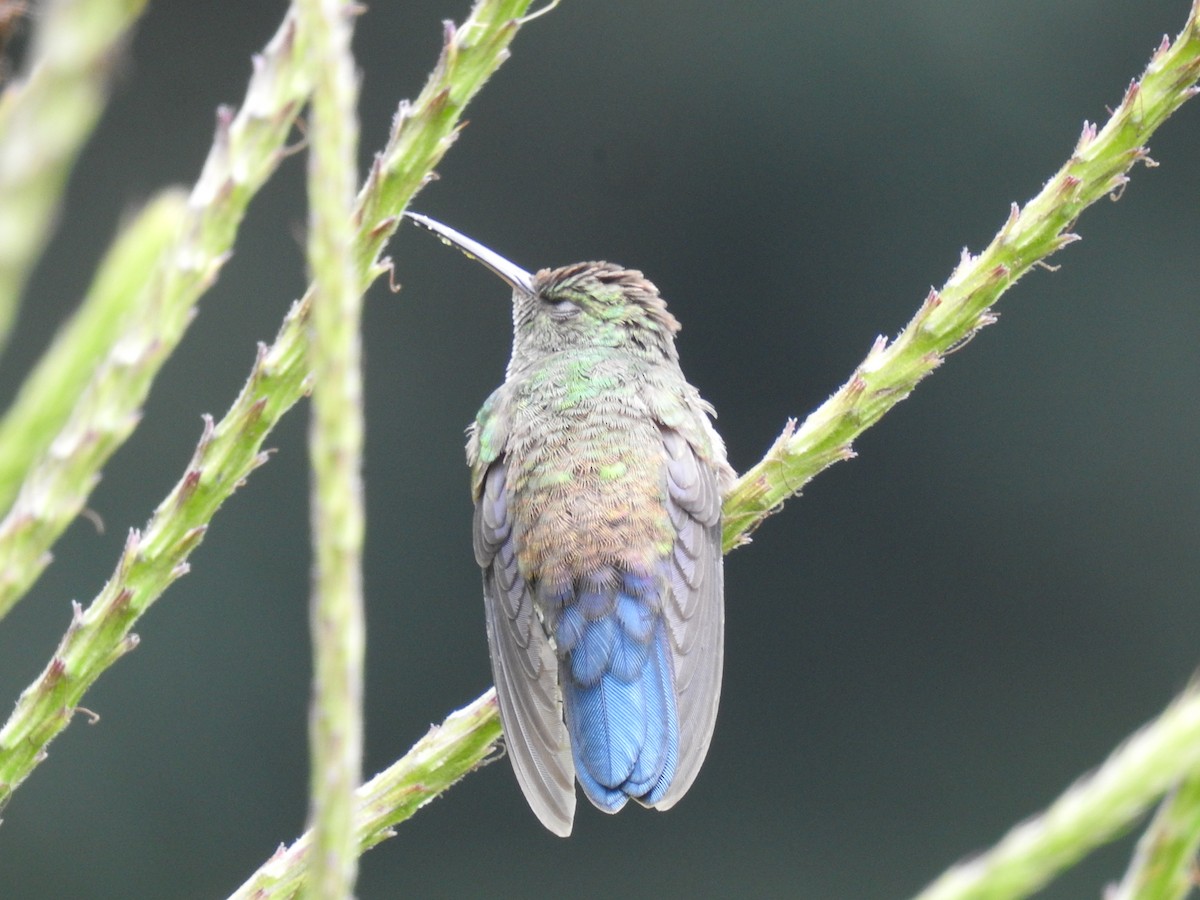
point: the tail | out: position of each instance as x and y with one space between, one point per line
618 692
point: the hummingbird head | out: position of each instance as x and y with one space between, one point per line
587 304
592 304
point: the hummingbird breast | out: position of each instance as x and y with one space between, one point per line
586 472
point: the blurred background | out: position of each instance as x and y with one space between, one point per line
925 648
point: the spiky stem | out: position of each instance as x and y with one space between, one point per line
153 558
335 448
1098 168
104 411
1090 813
466 740
52 389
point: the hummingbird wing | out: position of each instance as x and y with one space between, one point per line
695 613
523 664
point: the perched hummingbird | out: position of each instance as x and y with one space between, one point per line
597 479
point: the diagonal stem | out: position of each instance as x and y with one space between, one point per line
1090 813
1098 168
465 741
105 409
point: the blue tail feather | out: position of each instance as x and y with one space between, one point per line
619 696
592 656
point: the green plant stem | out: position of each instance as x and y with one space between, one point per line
52 390
335 448
1095 810
1098 168
228 453
45 117
155 557
247 149
459 745
1164 865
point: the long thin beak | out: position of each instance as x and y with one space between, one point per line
516 277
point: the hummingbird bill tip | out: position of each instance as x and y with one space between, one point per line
511 273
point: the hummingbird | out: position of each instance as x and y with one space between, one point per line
597 479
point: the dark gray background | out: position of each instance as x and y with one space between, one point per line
924 649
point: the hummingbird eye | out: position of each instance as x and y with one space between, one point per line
560 307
